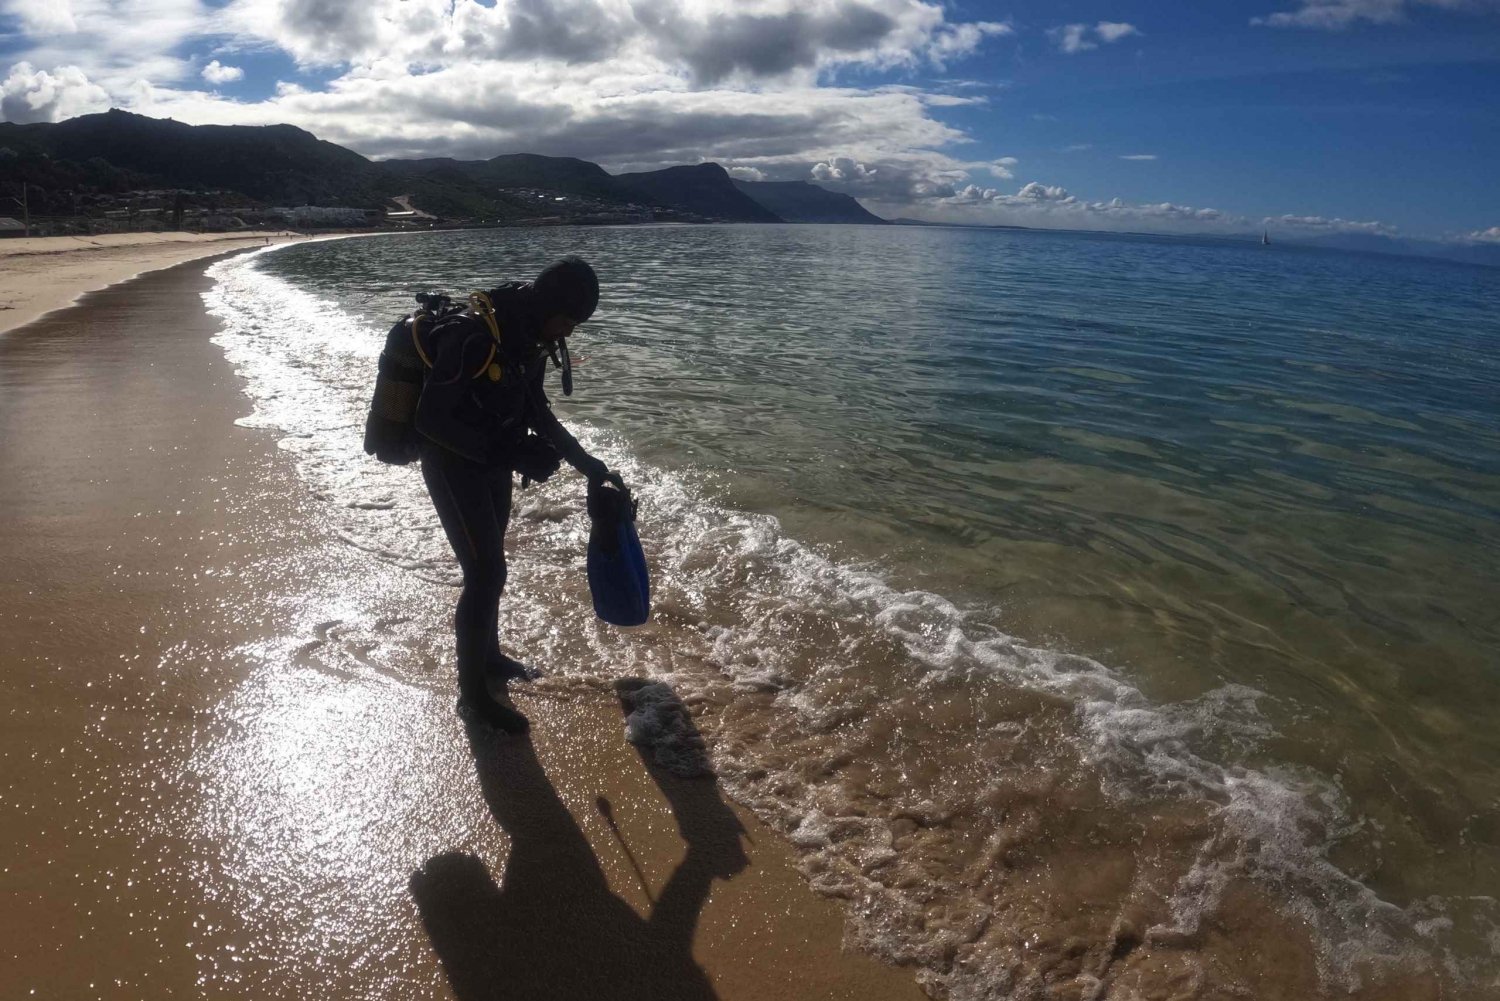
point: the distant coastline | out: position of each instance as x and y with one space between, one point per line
1384 246
119 172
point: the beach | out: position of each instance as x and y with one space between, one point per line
1027 698
214 787
42 273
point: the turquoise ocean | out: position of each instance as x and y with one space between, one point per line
1044 588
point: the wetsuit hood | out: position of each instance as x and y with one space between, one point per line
567 286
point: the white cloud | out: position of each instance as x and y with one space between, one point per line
1113 31
952 100
1001 168
32 95
1077 147
1054 207
961 40
118 44
972 193
217 73
842 169
745 42
1335 15
892 177
1071 38
747 173
1491 235
43 17
1035 191
1074 38
1316 224
706 41
1139 156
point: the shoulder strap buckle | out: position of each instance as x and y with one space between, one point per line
483 308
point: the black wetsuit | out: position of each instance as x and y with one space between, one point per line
476 432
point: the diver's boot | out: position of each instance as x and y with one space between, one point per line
476 703
502 669
481 707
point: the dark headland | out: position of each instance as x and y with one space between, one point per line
119 170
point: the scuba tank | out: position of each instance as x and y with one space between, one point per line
390 428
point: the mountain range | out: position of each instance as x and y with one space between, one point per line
117 151
74 167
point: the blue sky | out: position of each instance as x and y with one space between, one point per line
1303 116
1398 122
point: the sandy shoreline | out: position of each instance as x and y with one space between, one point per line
41 274
214 788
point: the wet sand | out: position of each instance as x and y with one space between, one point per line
40 274
214 785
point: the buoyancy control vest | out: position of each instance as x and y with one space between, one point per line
390 427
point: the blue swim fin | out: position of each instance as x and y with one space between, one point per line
618 578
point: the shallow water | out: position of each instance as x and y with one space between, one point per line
1069 599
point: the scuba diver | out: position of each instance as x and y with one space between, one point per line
483 416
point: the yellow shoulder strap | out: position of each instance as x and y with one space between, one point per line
416 340
485 310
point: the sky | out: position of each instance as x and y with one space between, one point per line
1304 117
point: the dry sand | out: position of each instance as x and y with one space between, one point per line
40 274
194 802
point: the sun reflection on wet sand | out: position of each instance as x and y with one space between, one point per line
232 738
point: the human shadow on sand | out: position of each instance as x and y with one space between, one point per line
552 929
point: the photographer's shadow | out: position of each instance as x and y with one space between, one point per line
553 929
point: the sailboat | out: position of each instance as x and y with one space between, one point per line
1265 238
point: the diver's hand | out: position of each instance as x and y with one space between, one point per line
614 478
597 472
596 490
